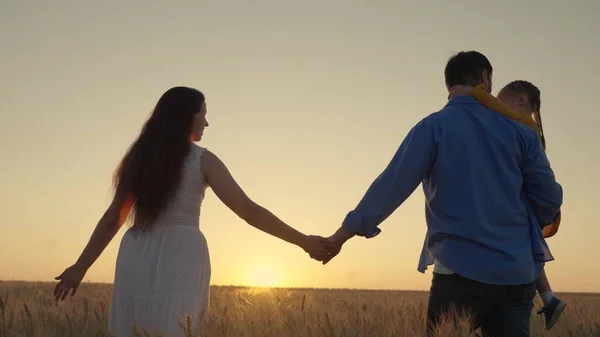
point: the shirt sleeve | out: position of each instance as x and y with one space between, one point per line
544 193
409 166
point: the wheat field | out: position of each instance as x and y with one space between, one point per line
27 310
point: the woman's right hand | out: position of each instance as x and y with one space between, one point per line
316 246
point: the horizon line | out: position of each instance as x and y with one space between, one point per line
288 287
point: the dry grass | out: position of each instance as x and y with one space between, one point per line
27 310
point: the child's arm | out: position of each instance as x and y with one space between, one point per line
497 105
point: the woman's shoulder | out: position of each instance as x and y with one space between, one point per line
197 149
204 155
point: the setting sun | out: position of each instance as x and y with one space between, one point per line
264 276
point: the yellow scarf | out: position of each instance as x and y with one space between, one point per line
493 103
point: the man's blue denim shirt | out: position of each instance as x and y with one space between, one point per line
488 187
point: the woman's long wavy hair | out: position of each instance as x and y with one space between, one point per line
150 172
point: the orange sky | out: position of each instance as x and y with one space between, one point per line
308 101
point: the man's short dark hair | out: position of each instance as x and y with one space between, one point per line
466 67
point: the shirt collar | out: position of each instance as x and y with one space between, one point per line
462 100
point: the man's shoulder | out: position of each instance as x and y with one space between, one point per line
435 119
467 105
460 114
451 111
430 120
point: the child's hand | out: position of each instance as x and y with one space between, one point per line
550 229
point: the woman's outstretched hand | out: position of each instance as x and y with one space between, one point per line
69 281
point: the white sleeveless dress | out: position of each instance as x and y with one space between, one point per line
163 275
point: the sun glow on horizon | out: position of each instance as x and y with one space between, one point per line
264 276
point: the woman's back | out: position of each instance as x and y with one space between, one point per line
163 274
184 208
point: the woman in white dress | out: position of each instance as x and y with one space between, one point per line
163 266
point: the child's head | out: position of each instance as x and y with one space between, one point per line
524 96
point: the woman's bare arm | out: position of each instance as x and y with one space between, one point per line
107 227
105 230
231 194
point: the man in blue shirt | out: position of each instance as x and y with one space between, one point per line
488 186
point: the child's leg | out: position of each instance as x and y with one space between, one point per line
542 284
543 287
553 306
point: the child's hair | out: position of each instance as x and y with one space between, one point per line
533 95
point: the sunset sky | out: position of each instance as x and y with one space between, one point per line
307 102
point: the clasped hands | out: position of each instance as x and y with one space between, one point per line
325 249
